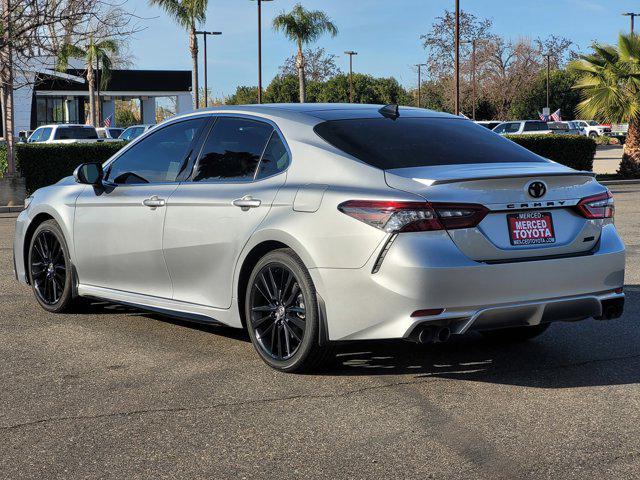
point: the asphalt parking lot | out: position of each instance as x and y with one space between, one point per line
117 393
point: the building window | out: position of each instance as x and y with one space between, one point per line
56 110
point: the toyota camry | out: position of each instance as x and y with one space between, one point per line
313 224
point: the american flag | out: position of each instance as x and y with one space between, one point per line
555 116
543 117
107 121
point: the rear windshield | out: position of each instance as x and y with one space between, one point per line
419 142
75 133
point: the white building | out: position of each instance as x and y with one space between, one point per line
53 97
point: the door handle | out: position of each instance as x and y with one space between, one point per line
154 202
246 202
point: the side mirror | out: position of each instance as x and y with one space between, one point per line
89 173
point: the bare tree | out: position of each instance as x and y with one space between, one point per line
33 32
320 65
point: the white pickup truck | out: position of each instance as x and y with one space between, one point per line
593 128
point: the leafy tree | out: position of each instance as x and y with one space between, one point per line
320 65
187 14
303 27
283 89
609 84
562 95
243 95
95 52
366 89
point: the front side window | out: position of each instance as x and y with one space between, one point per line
512 127
35 136
232 150
158 158
418 142
274 159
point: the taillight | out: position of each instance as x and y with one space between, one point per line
396 217
597 206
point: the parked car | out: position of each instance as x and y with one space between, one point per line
593 128
134 131
64 133
490 124
311 224
523 127
566 128
619 131
109 133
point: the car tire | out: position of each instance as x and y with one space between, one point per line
593 135
515 334
282 314
50 270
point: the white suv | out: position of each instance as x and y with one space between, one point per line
64 133
523 127
593 128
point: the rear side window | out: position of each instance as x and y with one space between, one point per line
274 159
76 133
417 142
232 150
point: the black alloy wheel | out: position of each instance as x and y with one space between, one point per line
278 313
282 314
48 267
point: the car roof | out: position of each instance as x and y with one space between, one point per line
65 125
322 111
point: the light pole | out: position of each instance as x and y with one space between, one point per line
351 53
632 17
474 46
548 57
457 58
260 48
206 88
419 65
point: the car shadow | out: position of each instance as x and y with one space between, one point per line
567 355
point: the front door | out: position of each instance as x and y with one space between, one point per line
211 216
118 228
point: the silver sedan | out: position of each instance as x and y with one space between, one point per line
314 224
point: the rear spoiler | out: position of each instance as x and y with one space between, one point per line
581 173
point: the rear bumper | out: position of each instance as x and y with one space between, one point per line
427 271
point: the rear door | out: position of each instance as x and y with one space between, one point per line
212 215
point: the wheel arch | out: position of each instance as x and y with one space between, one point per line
259 245
37 220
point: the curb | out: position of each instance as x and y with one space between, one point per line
16 209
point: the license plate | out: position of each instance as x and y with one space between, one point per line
531 228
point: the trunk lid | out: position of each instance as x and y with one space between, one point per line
504 189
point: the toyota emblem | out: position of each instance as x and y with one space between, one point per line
536 189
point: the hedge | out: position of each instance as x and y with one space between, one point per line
575 151
3 160
44 164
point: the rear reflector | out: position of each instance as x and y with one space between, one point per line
597 206
396 217
427 313
619 290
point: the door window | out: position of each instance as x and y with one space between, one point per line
232 150
160 157
274 159
512 127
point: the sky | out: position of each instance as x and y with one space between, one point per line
385 33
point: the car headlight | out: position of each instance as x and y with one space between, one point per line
27 201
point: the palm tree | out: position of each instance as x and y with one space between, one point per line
94 53
187 14
303 27
609 83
